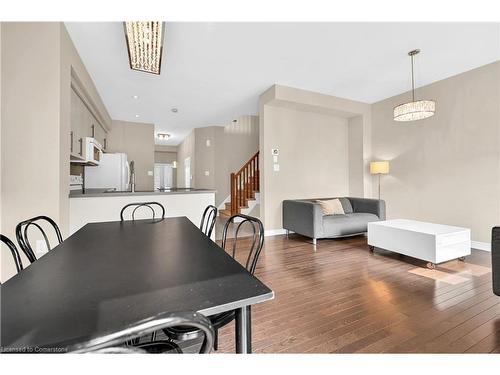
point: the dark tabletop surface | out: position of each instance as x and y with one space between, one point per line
109 275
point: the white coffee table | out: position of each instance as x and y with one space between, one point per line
434 243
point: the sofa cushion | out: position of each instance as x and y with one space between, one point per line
342 225
346 204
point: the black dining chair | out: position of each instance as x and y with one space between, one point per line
13 249
37 222
116 342
208 220
255 240
143 204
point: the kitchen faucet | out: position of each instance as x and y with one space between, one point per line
132 177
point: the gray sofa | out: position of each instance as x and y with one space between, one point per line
305 217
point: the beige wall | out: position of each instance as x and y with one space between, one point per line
165 157
137 141
185 150
230 147
445 169
312 133
236 143
35 124
313 158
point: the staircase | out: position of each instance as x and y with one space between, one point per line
244 187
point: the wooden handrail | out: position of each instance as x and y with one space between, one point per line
244 184
248 162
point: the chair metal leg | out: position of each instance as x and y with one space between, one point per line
216 339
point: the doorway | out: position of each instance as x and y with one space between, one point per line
163 176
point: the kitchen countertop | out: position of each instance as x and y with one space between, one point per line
92 193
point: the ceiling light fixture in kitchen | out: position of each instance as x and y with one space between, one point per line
145 45
163 136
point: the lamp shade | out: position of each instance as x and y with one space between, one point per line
379 167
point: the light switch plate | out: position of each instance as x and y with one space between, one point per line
208 142
276 167
150 173
275 151
207 173
275 158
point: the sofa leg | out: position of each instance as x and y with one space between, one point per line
315 241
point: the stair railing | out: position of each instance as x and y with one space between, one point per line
244 183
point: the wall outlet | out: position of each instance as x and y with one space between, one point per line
275 158
150 173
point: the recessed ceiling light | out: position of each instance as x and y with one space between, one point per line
175 110
135 96
136 115
145 44
163 136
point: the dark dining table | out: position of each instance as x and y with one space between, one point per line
109 275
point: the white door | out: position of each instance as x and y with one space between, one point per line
187 172
163 176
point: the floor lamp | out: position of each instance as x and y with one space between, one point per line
379 168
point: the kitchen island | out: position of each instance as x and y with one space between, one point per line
98 205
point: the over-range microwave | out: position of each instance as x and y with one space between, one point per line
90 152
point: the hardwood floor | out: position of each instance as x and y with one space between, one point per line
340 298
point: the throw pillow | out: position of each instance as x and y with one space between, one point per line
331 207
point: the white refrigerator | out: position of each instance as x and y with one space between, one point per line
113 172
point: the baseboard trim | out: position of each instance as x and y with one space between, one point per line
275 232
485 246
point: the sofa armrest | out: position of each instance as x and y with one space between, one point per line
303 217
495 259
372 206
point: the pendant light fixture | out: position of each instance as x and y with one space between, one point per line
416 109
145 45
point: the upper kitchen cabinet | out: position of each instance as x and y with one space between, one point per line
83 124
98 132
77 131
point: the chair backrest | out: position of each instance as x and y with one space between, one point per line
22 234
143 204
148 326
208 220
257 238
13 249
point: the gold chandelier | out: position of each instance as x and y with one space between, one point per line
145 45
416 109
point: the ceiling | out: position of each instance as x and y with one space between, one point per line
214 72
